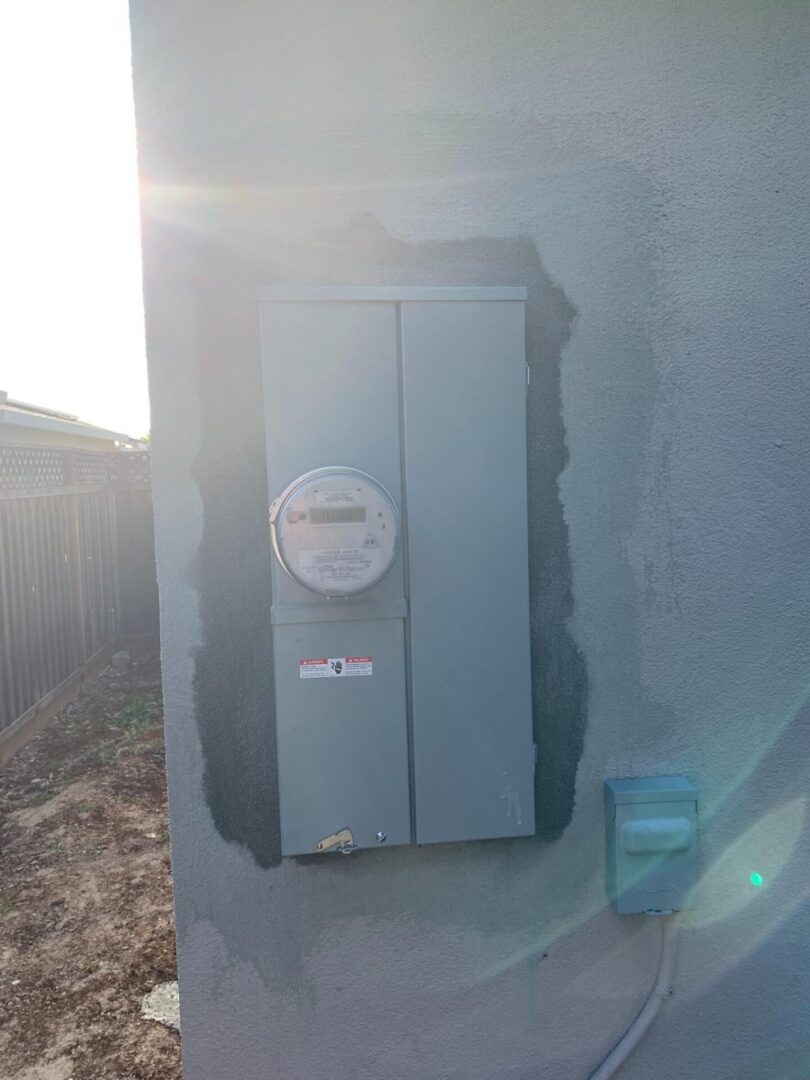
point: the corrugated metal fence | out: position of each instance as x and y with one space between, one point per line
77 575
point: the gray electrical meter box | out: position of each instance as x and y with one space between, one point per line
396 460
651 825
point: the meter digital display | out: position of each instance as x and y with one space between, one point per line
335 530
337 515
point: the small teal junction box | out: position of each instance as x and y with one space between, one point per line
651 833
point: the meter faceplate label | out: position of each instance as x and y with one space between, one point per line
328 497
335 667
339 566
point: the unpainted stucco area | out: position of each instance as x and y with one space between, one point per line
233 665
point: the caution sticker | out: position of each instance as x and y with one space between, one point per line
335 667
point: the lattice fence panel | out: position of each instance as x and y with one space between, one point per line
31 467
90 469
130 468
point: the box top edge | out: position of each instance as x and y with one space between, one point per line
651 789
388 293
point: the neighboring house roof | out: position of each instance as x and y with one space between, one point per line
29 418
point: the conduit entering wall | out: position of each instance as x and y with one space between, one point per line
660 992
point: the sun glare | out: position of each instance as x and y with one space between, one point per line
72 335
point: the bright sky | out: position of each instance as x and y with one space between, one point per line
71 315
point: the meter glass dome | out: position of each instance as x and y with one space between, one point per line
336 531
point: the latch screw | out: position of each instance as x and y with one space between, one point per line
381 837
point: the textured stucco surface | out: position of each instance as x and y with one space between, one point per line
649 161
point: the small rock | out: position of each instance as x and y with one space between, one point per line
121 661
163 1004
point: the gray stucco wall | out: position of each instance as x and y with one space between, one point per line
642 167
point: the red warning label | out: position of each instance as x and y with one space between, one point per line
335 667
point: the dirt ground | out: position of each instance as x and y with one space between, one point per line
86 924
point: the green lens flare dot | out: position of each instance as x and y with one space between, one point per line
757 879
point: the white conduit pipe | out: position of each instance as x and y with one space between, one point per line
660 992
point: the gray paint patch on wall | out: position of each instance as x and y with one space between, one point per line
233 682
233 679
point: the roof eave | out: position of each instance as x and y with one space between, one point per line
68 427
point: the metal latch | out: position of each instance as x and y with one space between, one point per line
342 841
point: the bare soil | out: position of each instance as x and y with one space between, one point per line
86 926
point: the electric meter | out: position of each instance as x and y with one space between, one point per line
335 531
